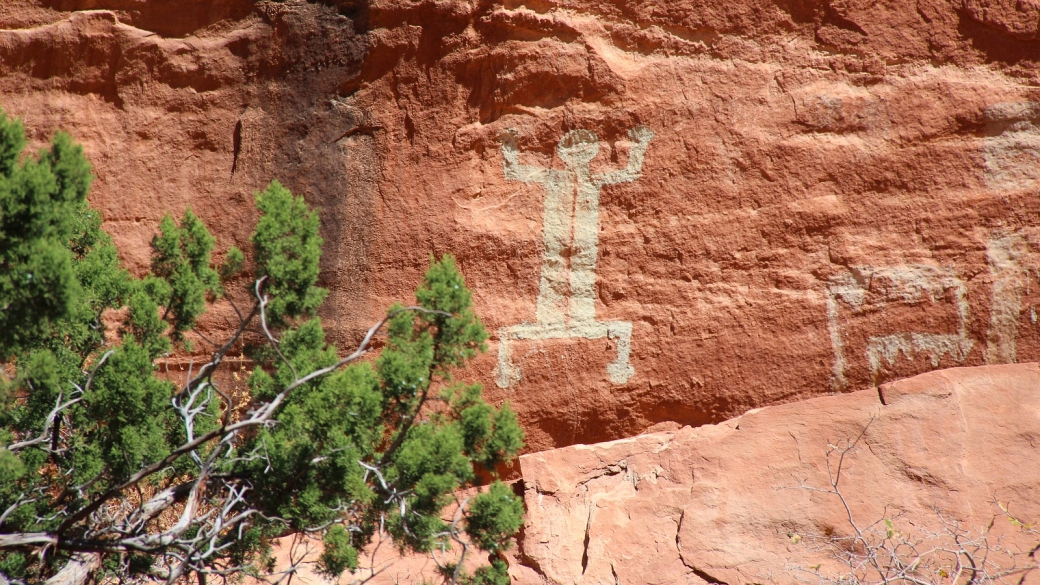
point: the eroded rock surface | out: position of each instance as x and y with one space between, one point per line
835 194
733 502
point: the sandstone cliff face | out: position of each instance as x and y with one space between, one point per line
834 194
747 501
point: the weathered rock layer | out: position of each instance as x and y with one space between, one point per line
835 194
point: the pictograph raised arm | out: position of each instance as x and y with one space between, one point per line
641 135
514 171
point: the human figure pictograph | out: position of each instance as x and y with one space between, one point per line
570 233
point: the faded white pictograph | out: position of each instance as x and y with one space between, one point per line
1013 258
910 284
1011 156
1011 148
570 233
1014 265
1003 254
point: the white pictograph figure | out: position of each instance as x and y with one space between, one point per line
910 284
566 293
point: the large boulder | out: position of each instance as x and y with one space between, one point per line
941 455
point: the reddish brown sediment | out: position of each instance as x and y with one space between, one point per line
835 194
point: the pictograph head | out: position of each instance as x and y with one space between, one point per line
578 147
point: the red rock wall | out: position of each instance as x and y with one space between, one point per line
836 194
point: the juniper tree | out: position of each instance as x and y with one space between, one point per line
109 469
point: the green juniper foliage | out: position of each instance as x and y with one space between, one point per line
287 247
494 517
181 258
58 270
497 573
106 465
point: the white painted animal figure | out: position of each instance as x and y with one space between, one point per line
908 284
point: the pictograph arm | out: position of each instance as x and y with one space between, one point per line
641 135
514 171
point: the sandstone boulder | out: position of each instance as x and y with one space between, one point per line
746 500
